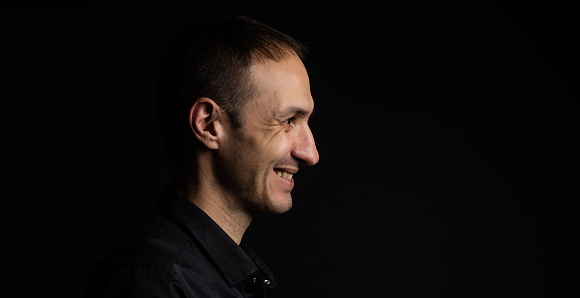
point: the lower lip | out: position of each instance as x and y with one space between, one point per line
289 182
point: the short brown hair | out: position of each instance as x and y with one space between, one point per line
211 58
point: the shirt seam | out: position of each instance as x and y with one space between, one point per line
170 274
135 265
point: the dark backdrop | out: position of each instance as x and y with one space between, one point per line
446 130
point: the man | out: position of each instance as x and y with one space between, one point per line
234 102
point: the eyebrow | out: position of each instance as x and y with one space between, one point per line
295 111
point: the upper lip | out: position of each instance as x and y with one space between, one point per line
289 169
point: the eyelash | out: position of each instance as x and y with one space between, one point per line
289 121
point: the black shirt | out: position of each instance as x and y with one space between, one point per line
179 251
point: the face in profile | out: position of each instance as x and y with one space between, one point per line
264 155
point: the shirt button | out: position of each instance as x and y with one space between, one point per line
254 280
267 281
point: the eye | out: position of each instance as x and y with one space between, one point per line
290 121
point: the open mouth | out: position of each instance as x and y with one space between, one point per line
284 174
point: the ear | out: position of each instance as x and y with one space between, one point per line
207 122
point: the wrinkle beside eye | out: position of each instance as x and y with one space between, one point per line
290 121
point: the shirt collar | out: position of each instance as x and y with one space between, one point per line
235 262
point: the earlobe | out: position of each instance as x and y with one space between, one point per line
204 116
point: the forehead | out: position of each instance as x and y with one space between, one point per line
282 86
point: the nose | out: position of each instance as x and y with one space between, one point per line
305 148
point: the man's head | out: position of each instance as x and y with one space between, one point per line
234 105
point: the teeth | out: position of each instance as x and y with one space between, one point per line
285 175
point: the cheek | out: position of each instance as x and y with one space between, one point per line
280 147
263 151
270 145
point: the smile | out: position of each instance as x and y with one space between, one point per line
285 175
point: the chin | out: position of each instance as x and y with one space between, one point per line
277 197
283 208
278 204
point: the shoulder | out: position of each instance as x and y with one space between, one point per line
145 261
159 242
133 280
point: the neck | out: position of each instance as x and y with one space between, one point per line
200 189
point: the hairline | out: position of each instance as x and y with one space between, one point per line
250 83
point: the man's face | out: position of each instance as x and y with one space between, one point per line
264 154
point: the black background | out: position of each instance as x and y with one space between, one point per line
446 129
